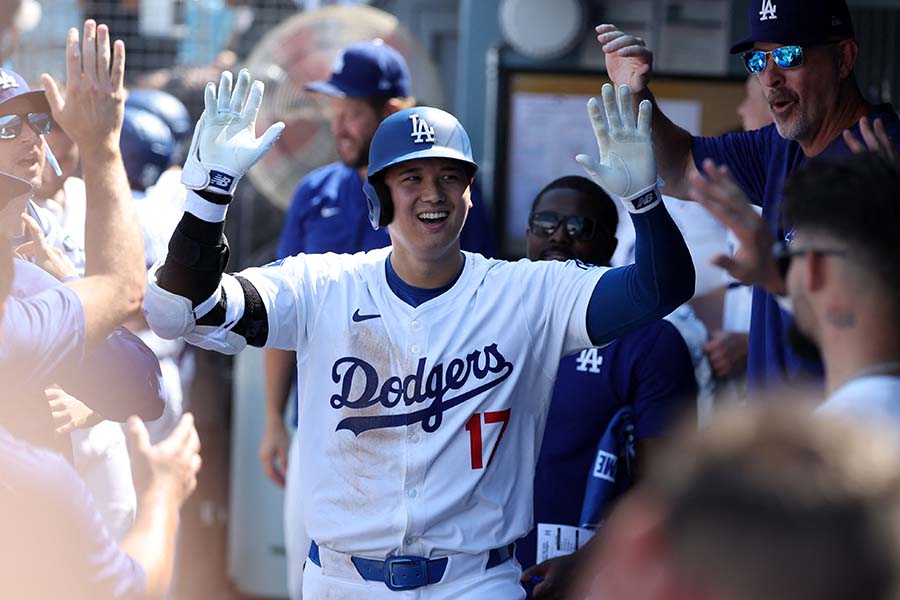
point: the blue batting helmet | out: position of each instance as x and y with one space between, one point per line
420 132
147 146
171 110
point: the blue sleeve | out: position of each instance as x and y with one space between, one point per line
478 233
40 334
664 384
744 153
50 520
660 280
291 241
119 379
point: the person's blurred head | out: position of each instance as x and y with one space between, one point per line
24 119
572 218
172 112
843 262
147 146
369 82
753 109
767 502
815 45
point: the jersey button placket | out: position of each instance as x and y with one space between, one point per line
416 448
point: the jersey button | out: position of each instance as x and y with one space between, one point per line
414 438
416 325
415 349
412 493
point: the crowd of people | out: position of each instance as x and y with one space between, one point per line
566 425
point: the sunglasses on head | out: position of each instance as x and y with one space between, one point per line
545 224
786 57
11 125
784 253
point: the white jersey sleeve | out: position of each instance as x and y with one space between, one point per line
554 297
291 290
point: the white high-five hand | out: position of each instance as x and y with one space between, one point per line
626 168
225 145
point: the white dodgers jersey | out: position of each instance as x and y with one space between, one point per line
420 427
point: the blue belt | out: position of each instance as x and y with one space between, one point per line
400 573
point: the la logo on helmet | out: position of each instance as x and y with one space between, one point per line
421 130
768 11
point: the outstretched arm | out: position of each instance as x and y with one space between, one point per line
91 114
662 277
189 288
629 62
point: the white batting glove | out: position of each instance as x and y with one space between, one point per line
626 168
225 145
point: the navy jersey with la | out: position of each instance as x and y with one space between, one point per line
647 374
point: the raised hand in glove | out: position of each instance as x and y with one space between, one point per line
626 167
225 145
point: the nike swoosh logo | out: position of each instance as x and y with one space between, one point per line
358 318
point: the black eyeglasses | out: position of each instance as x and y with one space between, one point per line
784 253
11 125
545 224
786 57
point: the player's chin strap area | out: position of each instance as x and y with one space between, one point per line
400 573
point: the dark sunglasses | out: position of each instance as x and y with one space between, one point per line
11 125
784 253
786 57
545 224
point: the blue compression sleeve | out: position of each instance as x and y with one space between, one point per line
660 280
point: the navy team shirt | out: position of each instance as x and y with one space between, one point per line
42 340
54 542
650 369
760 161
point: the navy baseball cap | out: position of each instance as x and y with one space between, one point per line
15 94
796 22
366 70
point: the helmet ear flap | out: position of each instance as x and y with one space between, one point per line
378 198
387 203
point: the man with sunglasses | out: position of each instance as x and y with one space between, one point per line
803 53
641 382
24 122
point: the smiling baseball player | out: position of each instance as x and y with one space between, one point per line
425 372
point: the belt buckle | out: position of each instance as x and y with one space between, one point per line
415 571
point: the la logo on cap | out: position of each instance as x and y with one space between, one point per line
768 11
7 81
421 130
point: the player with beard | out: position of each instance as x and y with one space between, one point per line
369 82
803 53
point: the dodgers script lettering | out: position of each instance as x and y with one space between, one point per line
488 367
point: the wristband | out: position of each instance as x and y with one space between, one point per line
204 209
645 200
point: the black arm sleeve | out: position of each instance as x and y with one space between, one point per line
197 257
